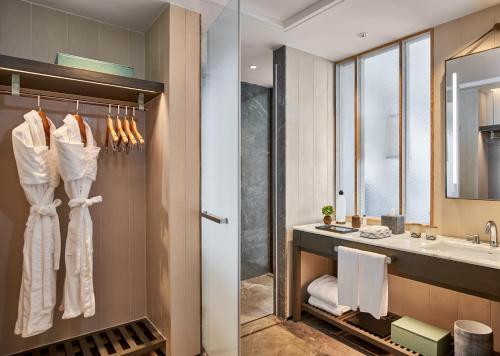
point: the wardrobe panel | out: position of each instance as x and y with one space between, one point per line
49 33
15 25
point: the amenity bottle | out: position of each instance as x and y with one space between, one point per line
341 208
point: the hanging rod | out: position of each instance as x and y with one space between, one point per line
63 99
388 260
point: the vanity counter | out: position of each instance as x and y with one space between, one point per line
449 263
479 255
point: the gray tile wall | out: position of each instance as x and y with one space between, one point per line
36 32
255 180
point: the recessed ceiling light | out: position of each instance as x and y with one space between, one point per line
253 67
363 34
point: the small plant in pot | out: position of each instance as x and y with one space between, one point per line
327 212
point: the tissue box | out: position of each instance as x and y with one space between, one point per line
420 337
394 222
70 60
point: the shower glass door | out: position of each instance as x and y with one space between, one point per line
220 247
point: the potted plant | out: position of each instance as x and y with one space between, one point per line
327 212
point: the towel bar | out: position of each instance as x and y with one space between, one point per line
388 260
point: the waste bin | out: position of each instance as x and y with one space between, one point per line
472 338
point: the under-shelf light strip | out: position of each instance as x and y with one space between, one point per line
59 98
76 80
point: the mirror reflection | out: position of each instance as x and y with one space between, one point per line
473 126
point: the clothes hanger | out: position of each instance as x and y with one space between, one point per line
110 130
133 126
45 123
126 124
123 139
81 124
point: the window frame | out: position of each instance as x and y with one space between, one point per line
400 43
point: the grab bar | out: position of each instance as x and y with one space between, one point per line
388 260
205 214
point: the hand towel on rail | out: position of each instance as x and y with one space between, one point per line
373 285
348 277
334 309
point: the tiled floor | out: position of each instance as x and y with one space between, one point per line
256 298
311 337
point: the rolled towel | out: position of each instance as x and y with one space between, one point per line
375 232
336 310
324 288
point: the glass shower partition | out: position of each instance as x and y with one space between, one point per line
220 177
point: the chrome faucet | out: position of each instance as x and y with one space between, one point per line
491 228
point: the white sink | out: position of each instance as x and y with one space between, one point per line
464 249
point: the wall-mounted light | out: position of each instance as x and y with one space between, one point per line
252 67
455 129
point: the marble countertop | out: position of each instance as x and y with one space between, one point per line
480 255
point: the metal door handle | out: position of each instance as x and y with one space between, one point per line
214 218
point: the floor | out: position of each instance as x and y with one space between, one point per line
256 298
311 337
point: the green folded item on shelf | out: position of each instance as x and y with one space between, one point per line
95 65
420 337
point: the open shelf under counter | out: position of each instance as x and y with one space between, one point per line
56 78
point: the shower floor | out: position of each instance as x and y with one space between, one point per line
256 298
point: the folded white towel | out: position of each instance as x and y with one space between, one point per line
373 285
324 288
348 277
337 310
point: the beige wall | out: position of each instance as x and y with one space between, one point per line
310 145
173 56
454 217
36 32
119 231
457 217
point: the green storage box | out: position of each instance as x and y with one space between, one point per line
420 337
70 60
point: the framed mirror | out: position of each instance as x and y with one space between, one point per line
473 126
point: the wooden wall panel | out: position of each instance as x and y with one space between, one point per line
119 224
457 217
309 147
173 43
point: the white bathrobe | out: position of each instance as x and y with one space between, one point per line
78 168
36 165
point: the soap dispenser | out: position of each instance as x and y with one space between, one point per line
341 208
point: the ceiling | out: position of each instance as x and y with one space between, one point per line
327 28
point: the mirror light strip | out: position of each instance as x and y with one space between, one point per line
455 129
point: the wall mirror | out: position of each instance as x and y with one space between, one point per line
473 126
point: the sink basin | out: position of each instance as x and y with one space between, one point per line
464 249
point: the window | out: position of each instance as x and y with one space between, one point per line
383 128
345 150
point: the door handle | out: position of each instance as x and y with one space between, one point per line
205 214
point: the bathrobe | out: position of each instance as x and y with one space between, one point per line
78 168
36 166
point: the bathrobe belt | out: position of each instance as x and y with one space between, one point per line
37 211
84 204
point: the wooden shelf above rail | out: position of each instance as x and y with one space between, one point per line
61 79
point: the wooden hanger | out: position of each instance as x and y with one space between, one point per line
133 126
81 124
130 135
123 139
45 123
110 130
